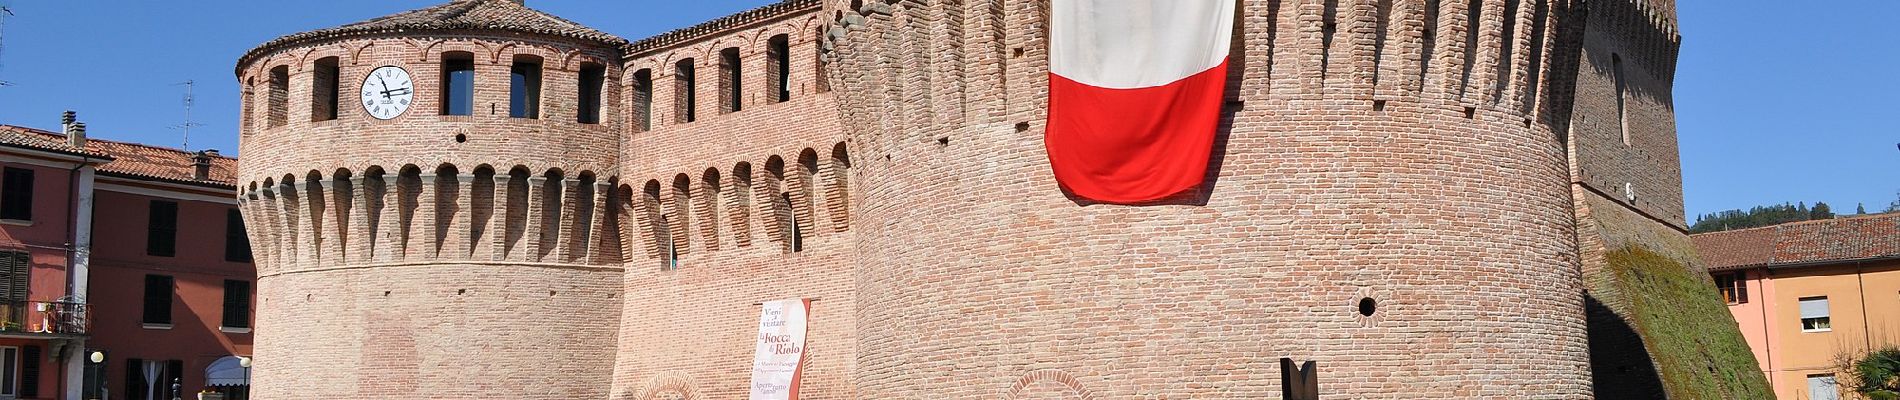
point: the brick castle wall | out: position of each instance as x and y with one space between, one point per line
1402 154
431 255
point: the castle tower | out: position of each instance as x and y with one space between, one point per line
1391 196
430 195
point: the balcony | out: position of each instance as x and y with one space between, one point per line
45 318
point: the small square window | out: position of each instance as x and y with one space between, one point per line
1734 287
1814 315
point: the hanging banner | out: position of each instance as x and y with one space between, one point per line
779 358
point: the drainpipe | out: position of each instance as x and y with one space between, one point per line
79 250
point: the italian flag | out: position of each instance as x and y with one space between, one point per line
1135 94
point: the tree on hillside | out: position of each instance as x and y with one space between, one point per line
1759 216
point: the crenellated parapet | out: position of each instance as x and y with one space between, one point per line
448 213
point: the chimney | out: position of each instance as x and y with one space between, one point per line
76 135
201 163
74 130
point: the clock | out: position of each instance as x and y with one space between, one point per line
387 92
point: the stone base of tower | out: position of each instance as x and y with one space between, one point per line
1657 327
447 331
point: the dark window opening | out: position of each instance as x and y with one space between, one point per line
798 231
279 107
524 87
16 194
731 92
593 81
642 100
458 83
161 232
237 304
778 67
158 299
324 89
1734 287
1622 113
237 244
683 96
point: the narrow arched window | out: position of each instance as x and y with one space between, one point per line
642 100
1622 113
731 92
684 98
778 67
798 231
593 82
323 89
669 252
524 87
458 83
279 106
820 83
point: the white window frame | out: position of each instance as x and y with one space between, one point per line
13 363
1826 320
1831 382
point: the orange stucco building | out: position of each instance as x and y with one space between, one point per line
1808 292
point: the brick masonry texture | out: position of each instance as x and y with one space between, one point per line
1440 158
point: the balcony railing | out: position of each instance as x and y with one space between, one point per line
46 317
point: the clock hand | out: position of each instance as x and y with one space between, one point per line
385 85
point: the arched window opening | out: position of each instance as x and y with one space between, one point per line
684 98
524 87
669 251
709 207
1622 110
838 191
797 231
593 83
731 92
741 203
778 67
323 89
682 212
458 83
820 83
279 108
643 100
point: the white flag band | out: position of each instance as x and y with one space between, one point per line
1128 44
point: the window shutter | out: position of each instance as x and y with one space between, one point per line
19 273
237 304
237 245
158 299
30 371
1814 308
135 379
174 370
16 194
161 235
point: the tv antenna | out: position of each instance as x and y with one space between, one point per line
186 127
4 13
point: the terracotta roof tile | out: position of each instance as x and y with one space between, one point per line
129 159
1805 242
479 15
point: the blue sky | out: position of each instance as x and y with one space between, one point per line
1776 102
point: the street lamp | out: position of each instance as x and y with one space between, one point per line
97 357
246 363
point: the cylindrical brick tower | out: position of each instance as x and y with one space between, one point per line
1388 197
430 192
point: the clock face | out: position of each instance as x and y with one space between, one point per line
387 92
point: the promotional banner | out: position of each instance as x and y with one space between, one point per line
1135 94
780 356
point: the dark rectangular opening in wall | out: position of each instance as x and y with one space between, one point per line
458 83
820 83
684 97
237 245
731 92
593 81
161 229
237 304
279 108
158 300
16 194
643 100
524 88
324 89
778 67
